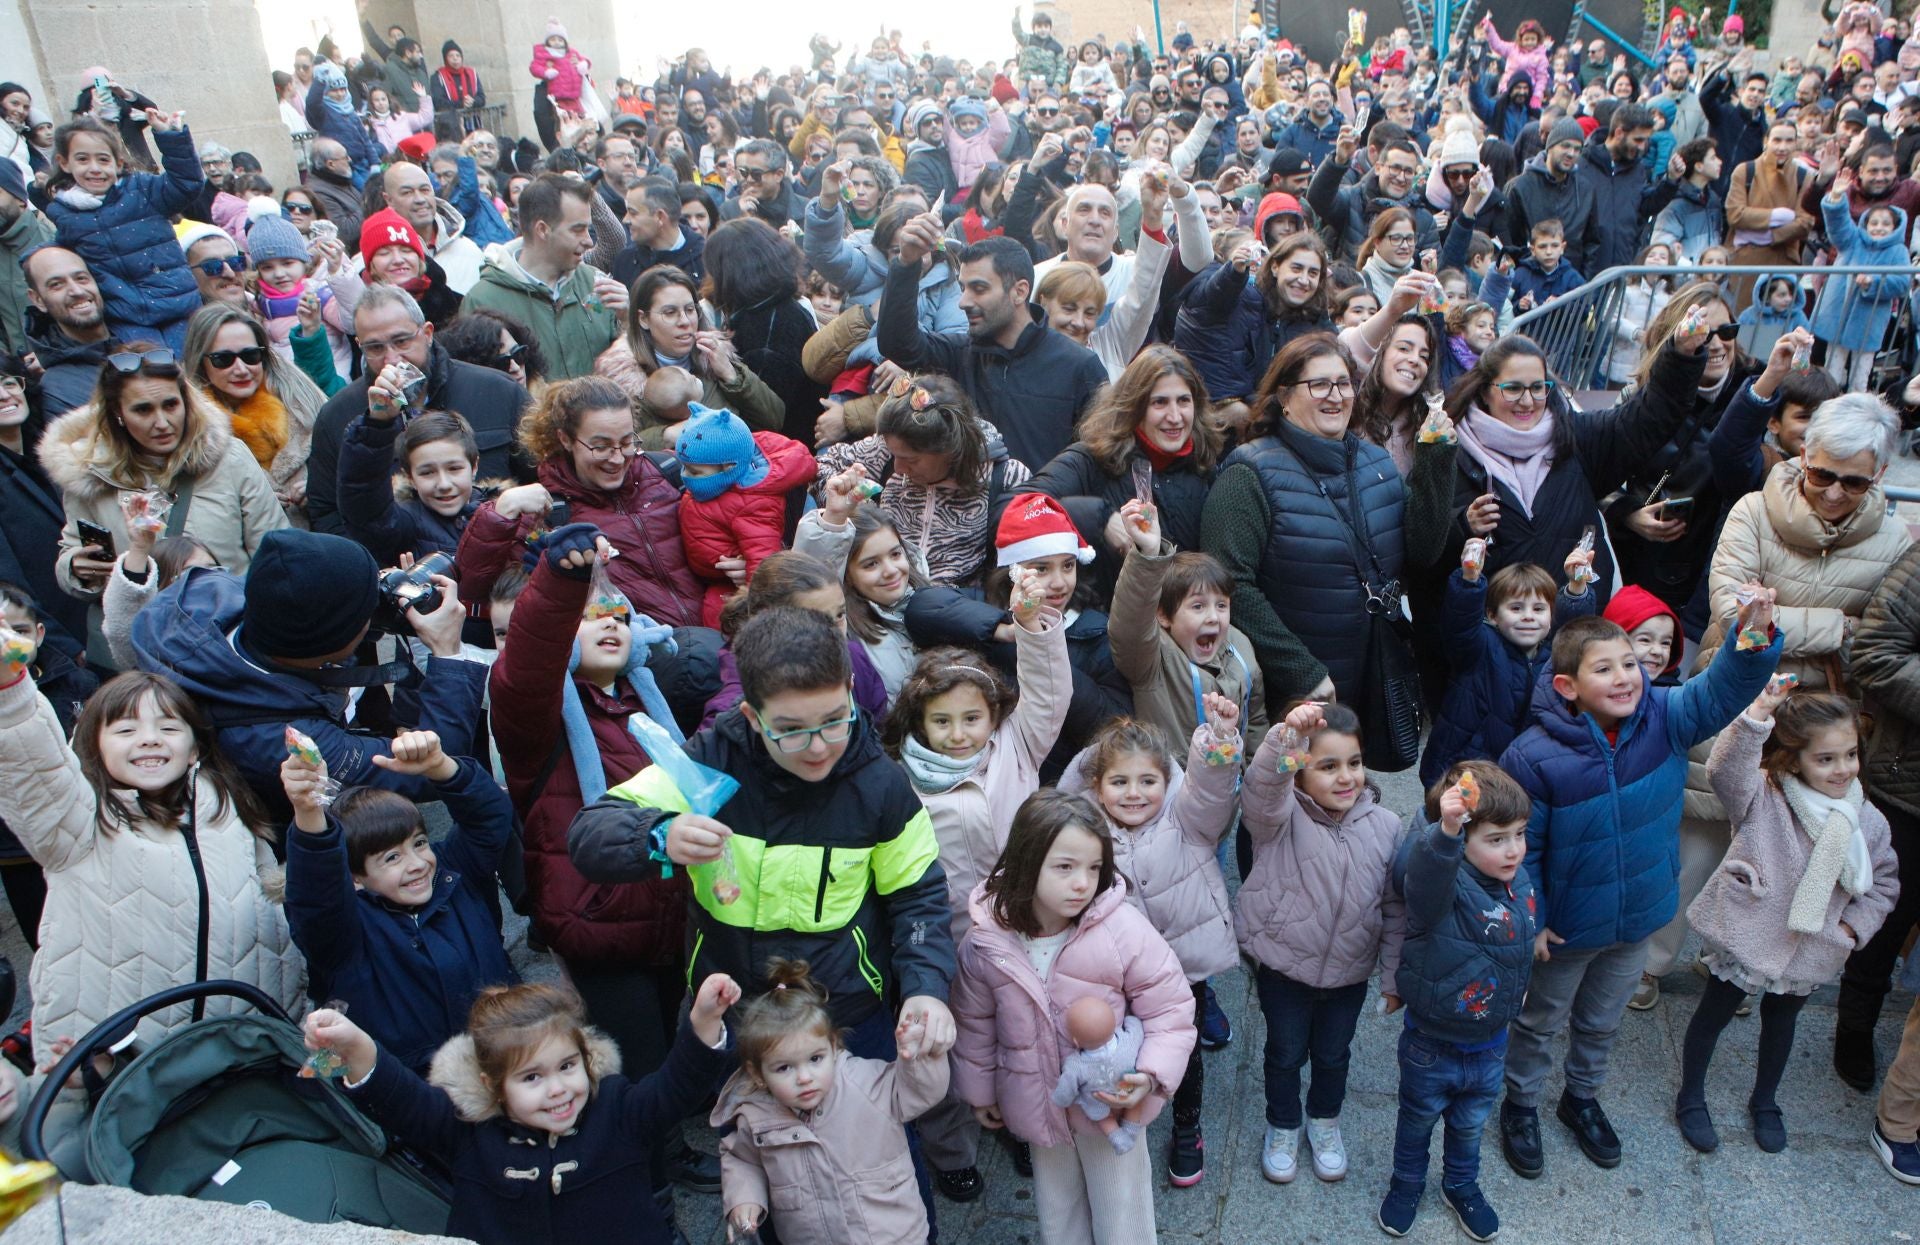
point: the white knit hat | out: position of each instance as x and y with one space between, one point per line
1460 146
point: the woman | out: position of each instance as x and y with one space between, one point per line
1232 327
1399 377
487 338
302 209
753 282
1390 251
1623 86
723 135
1075 301
270 403
30 513
1756 192
16 104
1315 523
664 330
406 264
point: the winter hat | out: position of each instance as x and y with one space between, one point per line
308 594
1160 82
1035 526
1003 90
1734 25
191 233
1460 146
450 46
714 437
918 113
385 228
1289 162
274 237
966 106
331 77
1667 109
417 147
1565 130
12 181
1275 204
1633 605
555 28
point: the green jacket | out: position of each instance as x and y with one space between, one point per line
29 230
572 327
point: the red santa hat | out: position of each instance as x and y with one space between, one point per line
1035 526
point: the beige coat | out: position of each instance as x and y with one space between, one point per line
1823 575
122 915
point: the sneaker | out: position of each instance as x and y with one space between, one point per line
963 1184
1329 1150
1469 1206
1215 1029
1900 1158
1770 1127
1854 1058
1520 1140
1591 1129
1277 1155
1646 994
1400 1207
1187 1156
692 1169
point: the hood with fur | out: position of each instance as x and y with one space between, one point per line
456 1073
75 460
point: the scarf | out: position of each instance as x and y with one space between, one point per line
934 772
419 285
1518 459
1839 852
261 424
1161 459
342 106
1380 275
588 769
459 83
1462 353
277 303
80 200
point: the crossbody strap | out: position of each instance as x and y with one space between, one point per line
182 502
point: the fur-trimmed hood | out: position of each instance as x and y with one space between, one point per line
75 461
483 490
456 1072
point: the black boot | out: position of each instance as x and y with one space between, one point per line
1520 1140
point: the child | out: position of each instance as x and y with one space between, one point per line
1317 913
1463 971
424 508
1653 631
1166 826
1497 634
134 582
1776 309
1542 276
1103 1053
1530 53
563 70
827 299
736 482
1641 299
802 1112
1050 926
668 397
528 1106
282 257
879 575
1810 876
401 930
975 131
119 225
1766 423
1853 313
1605 764
1093 77
793 578
1472 326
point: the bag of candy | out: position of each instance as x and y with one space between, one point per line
603 599
146 511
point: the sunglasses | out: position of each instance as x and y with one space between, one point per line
1048 112
1821 479
224 359
1727 332
303 209
155 362
507 358
232 263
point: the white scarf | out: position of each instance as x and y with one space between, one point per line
1839 851
80 200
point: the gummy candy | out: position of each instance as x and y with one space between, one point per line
1803 356
1469 790
14 650
322 1065
1783 682
1293 754
1433 300
301 746
1437 428
1693 322
1473 555
603 599
1219 748
146 511
869 489
1583 575
1751 638
726 877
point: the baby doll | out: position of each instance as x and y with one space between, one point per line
1102 1056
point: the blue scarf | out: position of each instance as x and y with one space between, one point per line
587 766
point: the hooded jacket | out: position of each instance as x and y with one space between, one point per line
70 369
1633 606
745 521
349 131
1224 327
1315 141
1847 315
1760 312
1505 117
1534 195
1092 495
1531 280
1468 954
29 231
1692 222
570 324
1012 1038
855 265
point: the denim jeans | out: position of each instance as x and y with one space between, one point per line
1437 1081
1306 1023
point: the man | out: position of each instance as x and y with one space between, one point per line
928 164
219 267
1215 107
1689 121
653 225
455 86
73 340
1289 172
1188 90
619 163
765 189
1626 197
406 76
1593 67
330 180
542 281
1546 189
1314 132
1878 183
22 230
410 193
860 120
1025 379
1347 211
1738 128
1092 227
390 328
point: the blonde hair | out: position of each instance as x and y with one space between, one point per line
1073 280
111 449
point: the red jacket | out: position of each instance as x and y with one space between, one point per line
584 922
743 522
641 520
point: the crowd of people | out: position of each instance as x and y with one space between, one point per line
863 554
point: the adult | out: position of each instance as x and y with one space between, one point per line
1877 182
1028 381
1689 117
392 253
1314 524
299 206
391 329
541 279
1737 123
22 229
330 181
220 268
1695 219
1314 131
330 114
753 282
73 341
929 166
30 512
1626 194
1766 224
766 192
618 159
455 85
1092 228
16 106
1231 326
1547 189
655 235
1390 251
664 329
406 76
442 230
1348 212
489 339
270 404
1397 353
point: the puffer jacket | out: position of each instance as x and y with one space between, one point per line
129 245
843 1174
233 504
348 130
1092 496
1625 198
1171 865
1741 913
571 328
972 818
1847 315
1319 905
585 922
1694 221
1822 575
130 913
381 508
642 521
1886 663
855 265
1533 196
1012 1038
564 75
1468 954
744 522
1223 327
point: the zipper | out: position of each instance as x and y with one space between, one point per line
189 833
826 880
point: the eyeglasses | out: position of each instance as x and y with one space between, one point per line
1323 389
1727 332
232 263
599 447
1047 112
158 362
834 732
302 209
1402 239
1514 390
508 357
224 359
397 343
1820 479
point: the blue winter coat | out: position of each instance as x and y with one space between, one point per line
347 129
130 246
1847 315
855 265
1468 954
1222 326
484 225
1315 140
411 974
1504 118
1530 278
1758 312
1603 844
1487 701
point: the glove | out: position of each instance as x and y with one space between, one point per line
573 538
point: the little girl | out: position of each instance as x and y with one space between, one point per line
1810 876
880 573
282 258
803 1112
1641 299
562 69
1853 312
119 224
545 1139
1531 53
1051 925
1166 826
1316 914
792 578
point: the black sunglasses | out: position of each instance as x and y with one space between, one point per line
233 263
249 355
1727 332
305 209
510 356
156 362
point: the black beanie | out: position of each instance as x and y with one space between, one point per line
450 46
308 594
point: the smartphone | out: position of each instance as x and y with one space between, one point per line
1677 508
94 534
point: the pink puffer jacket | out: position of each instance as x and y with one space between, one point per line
1319 906
1013 1036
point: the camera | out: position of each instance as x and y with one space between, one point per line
404 588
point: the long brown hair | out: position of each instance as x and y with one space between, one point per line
1108 429
1376 413
1314 310
863 617
1470 391
120 699
1799 718
780 577
942 422
1378 231
1288 365
112 449
646 287
1038 822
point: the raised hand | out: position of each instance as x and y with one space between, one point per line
418 752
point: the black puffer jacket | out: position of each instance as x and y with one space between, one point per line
1626 198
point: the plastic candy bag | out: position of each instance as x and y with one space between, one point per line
1293 752
1433 300
302 746
1803 356
1437 429
603 599
1219 748
1026 592
16 651
1469 790
869 489
1693 322
146 511
1473 555
1583 576
1749 638
325 1063
1143 490
1782 683
705 790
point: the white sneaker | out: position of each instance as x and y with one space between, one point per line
1276 1158
1329 1151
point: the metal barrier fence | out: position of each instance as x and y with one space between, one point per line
1590 334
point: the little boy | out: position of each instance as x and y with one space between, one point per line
1464 968
402 931
1605 764
737 482
1542 277
437 455
1497 633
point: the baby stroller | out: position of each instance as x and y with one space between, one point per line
218 1111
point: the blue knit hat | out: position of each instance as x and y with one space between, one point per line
274 237
331 76
717 437
967 106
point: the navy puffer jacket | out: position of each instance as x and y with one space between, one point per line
1468 954
1223 327
345 128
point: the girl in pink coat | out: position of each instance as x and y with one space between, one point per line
1531 53
1051 925
561 68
